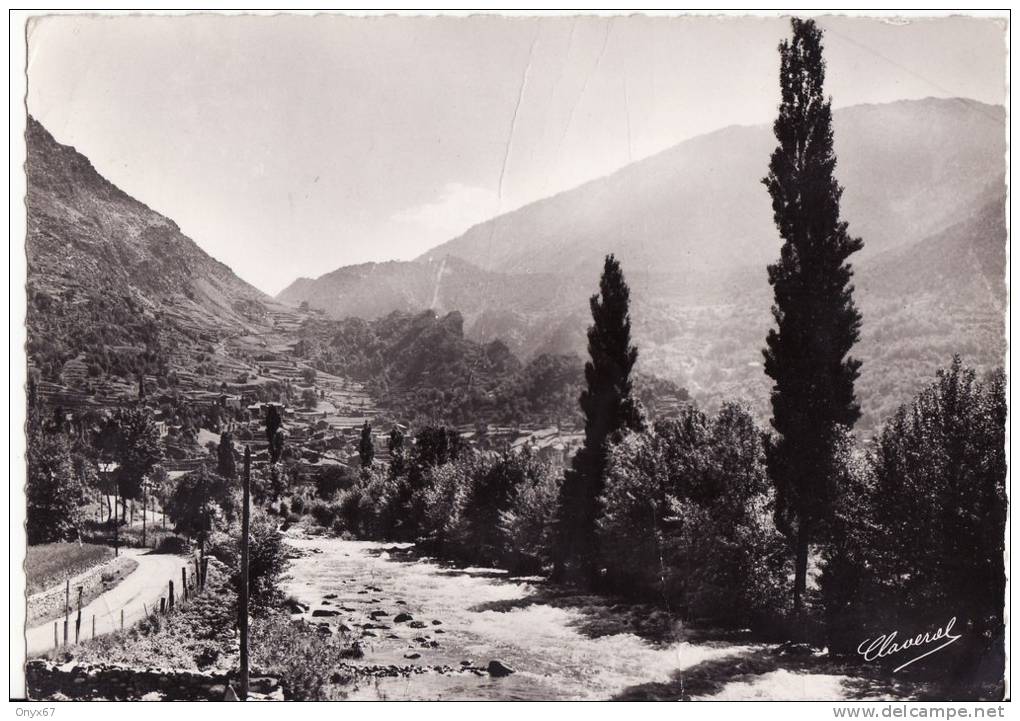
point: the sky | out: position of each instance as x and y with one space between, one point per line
289 146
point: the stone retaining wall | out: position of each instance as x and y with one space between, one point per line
49 605
48 680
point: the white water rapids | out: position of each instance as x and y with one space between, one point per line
561 647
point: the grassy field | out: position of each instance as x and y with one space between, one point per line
48 564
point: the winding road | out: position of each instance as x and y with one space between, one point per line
141 589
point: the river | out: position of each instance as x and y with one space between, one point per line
560 645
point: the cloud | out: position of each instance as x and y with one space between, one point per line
457 208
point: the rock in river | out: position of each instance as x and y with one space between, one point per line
498 668
319 612
401 617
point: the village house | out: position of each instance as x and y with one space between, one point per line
227 400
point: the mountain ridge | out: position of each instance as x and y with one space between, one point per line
113 285
728 163
694 234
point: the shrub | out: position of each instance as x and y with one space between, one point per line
440 500
304 658
173 545
350 511
528 522
471 497
323 513
266 559
687 517
297 504
379 504
329 480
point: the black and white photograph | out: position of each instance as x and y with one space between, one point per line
510 356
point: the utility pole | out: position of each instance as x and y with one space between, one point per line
145 502
243 600
116 522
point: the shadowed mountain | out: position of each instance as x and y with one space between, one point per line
910 169
113 285
693 229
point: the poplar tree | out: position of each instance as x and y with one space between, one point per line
608 410
365 448
397 453
274 434
225 464
816 320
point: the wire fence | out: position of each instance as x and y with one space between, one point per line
79 625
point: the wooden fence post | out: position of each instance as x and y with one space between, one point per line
162 605
77 620
56 641
184 583
67 609
205 571
122 619
170 598
93 625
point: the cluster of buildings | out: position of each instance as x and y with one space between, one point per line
323 416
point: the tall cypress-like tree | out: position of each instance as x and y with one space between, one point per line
225 465
817 322
608 410
365 448
397 453
274 434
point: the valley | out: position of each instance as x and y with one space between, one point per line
416 429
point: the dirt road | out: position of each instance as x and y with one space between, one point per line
140 590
